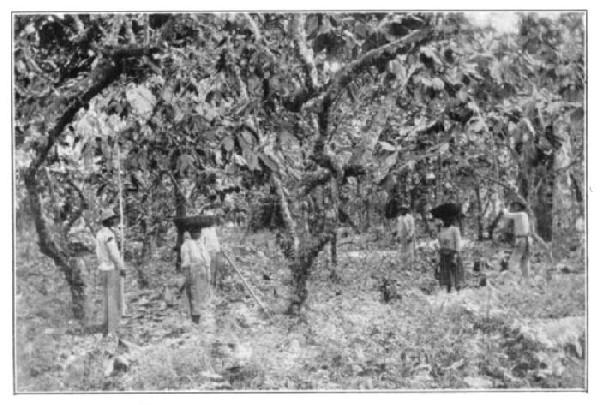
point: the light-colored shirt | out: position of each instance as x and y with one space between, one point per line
107 250
449 238
210 240
193 252
405 227
521 221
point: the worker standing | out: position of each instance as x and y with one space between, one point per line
210 239
405 234
195 263
111 267
520 255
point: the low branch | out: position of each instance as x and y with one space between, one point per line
376 56
321 176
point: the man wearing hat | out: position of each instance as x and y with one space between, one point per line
111 267
405 234
520 254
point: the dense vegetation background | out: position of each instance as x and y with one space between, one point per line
307 126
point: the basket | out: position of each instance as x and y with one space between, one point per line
196 223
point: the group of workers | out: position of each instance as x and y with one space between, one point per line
450 271
201 258
200 263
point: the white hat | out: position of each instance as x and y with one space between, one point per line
107 213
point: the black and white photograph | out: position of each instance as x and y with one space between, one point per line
299 201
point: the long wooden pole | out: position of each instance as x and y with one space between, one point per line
260 304
122 230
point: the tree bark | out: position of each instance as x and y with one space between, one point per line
563 220
180 207
51 249
479 211
145 255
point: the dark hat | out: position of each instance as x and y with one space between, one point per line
518 204
447 211
194 224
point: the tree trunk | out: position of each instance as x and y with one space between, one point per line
563 221
479 211
306 254
335 203
367 224
180 207
493 225
145 255
49 248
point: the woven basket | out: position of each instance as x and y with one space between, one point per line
196 223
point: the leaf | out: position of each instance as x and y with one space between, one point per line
251 159
387 146
141 100
476 125
437 84
270 163
386 165
246 137
431 54
239 160
444 147
228 144
178 114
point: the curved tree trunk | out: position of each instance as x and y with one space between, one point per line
51 249
105 75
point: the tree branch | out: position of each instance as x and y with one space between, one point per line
79 211
349 72
305 54
375 56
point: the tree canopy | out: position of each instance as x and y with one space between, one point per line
284 106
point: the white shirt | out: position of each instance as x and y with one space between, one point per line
405 227
449 238
521 221
193 251
107 250
210 240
